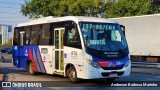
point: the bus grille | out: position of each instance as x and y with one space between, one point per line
105 74
112 68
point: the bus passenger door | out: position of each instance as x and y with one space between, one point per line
59 52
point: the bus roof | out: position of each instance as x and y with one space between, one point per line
51 19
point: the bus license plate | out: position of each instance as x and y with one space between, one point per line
113 75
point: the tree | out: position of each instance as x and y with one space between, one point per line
38 8
121 8
98 8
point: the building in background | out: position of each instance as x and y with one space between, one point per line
4 31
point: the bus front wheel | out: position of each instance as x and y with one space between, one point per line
73 74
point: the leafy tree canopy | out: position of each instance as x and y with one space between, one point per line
98 8
122 8
38 8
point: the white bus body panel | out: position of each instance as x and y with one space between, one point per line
94 73
75 57
47 58
142 34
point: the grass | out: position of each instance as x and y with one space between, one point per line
8 44
2 46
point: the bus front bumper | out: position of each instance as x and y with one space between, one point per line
95 73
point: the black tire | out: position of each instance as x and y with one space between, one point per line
31 69
72 74
67 72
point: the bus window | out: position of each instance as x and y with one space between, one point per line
28 34
56 39
45 34
34 35
116 36
16 36
72 37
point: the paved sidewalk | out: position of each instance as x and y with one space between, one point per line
146 70
146 64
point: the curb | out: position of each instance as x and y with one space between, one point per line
145 64
145 73
146 70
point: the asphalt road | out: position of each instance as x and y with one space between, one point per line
60 83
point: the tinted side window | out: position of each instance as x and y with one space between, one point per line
45 34
71 34
72 37
34 35
28 34
16 36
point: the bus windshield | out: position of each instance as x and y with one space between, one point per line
103 36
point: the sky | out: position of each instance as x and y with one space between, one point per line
10 12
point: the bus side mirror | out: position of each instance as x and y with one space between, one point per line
123 28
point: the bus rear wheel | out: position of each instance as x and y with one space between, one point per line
31 69
72 74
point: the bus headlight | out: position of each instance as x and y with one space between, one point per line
127 63
92 63
129 56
